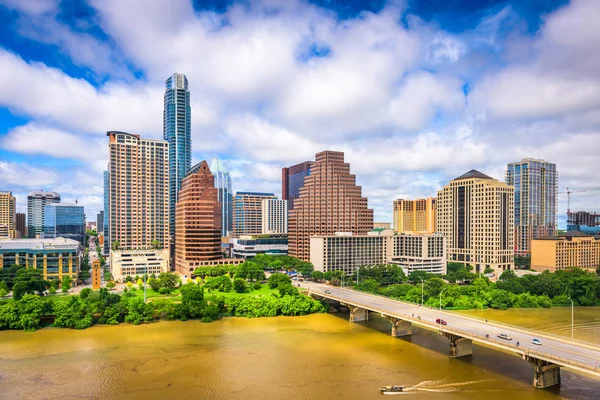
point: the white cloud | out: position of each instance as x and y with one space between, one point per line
24 175
31 6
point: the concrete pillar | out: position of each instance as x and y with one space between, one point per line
459 346
545 374
358 314
400 327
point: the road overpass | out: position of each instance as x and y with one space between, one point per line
462 331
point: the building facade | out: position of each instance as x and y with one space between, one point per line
138 191
21 225
8 216
329 202
100 222
124 263
347 252
197 220
584 222
177 117
223 184
274 216
536 200
382 225
106 245
292 179
575 249
36 201
55 257
414 216
247 247
475 213
64 220
247 212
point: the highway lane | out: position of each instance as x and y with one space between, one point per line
559 350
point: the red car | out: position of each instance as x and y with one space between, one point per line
441 321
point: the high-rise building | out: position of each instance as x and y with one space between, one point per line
292 179
21 225
536 199
177 130
223 184
197 220
100 222
8 219
475 213
584 222
329 202
106 245
36 201
64 220
414 216
274 216
247 212
138 191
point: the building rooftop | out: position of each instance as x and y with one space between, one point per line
570 234
40 193
255 193
473 174
38 244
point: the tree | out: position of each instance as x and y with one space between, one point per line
115 245
140 283
167 280
305 269
368 285
156 244
286 289
66 284
192 300
488 270
239 285
276 279
84 275
3 289
110 284
28 281
415 276
107 276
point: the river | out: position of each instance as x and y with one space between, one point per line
313 357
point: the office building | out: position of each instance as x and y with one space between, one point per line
292 179
247 212
64 220
177 130
575 249
36 201
124 263
106 244
55 257
21 225
197 220
8 217
475 213
347 252
329 202
414 216
138 191
584 222
274 216
223 184
249 246
536 198
100 222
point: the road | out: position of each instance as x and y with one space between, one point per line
584 357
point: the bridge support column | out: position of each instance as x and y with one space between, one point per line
459 346
399 326
545 374
358 314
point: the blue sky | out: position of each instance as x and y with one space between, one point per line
415 92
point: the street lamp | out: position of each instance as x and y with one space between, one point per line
441 307
422 283
572 317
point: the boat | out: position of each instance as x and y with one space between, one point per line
391 389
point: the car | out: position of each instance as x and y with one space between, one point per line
441 321
504 336
537 342
328 291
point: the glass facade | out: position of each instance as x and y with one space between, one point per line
106 211
293 180
177 132
66 221
223 184
36 202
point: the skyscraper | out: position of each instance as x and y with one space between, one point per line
198 220
138 191
475 213
36 201
106 249
64 220
247 212
100 222
536 199
223 184
21 225
329 202
274 216
8 218
414 216
177 132
292 179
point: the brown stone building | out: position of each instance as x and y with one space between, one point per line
329 202
197 220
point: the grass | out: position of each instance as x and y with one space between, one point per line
263 291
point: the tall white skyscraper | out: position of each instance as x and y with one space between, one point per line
274 216
223 184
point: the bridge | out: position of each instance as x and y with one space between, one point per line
462 331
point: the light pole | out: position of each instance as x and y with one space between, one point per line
357 275
422 284
441 307
572 317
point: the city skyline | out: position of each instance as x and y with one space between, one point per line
241 107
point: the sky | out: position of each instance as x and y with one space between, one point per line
415 92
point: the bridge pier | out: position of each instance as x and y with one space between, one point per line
545 374
358 314
459 346
400 327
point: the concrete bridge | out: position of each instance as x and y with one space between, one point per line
461 331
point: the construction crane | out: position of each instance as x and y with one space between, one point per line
568 192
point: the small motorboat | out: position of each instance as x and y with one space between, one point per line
391 389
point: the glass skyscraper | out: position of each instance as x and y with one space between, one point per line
177 132
223 184
36 201
64 220
292 180
536 198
